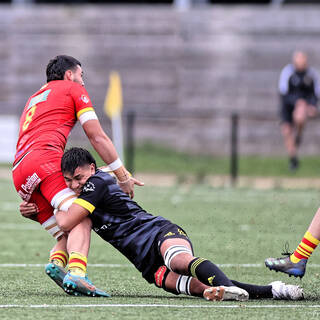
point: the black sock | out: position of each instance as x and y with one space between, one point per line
255 292
208 273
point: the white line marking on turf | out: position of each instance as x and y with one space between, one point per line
115 265
242 306
158 306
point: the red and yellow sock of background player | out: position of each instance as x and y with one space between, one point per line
305 248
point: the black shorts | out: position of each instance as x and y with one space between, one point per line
287 104
286 112
154 256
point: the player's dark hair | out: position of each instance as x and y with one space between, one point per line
74 158
57 67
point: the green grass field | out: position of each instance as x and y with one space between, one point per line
156 158
235 228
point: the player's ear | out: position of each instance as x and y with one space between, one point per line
68 75
92 168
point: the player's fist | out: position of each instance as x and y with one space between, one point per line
28 210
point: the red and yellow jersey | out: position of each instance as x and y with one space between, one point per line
50 114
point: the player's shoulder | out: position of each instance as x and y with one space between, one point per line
289 68
313 72
102 178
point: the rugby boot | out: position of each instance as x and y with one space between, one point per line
57 274
285 265
282 291
225 293
74 283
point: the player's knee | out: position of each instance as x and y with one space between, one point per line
62 222
177 258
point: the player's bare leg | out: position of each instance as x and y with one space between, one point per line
300 115
76 280
180 284
200 277
295 263
288 134
55 269
197 273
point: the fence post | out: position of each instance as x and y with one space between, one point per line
130 141
234 148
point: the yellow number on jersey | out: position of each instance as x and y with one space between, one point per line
29 116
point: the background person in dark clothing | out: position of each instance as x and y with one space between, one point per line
299 92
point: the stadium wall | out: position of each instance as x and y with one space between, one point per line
183 72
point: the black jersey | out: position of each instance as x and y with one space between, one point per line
295 85
121 221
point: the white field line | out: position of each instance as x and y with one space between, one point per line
220 306
111 265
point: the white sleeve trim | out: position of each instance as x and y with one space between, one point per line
89 115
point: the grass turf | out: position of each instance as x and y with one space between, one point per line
227 226
155 158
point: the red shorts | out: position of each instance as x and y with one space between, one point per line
38 178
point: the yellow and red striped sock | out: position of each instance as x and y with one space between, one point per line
59 258
305 248
77 264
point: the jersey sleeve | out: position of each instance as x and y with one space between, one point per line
83 104
93 191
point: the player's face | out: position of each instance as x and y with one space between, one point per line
300 61
77 180
77 76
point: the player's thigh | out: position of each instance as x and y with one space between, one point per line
45 211
55 190
173 235
175 248
300 112
45 215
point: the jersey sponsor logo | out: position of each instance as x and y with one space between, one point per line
29 186
89 187
85 98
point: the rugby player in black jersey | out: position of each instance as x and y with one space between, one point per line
299 90
159 249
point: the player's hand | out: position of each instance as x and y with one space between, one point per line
128 186
28 210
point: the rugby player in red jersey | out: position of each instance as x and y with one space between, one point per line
45 124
